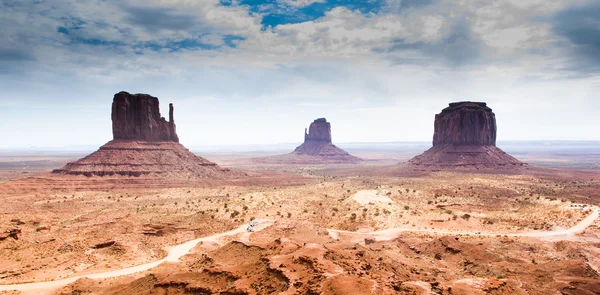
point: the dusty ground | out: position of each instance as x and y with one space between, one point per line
74 227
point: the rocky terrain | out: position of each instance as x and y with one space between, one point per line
316 149
143 215
465 137
456 238
144 144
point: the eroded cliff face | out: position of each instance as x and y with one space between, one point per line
465 123
144 144
317 142
137 117
319 131
465 137
316 149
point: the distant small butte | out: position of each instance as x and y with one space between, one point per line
316 149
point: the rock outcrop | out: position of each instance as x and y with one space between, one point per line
316 149
465 136
319 131
137 117
10 233
144 144
465 123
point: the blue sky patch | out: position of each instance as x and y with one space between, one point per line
276 12
87 41
194 44
230 41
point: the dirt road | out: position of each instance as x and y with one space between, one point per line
392 233
174 253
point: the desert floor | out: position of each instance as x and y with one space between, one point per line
342 229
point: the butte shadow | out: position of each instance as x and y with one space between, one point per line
144 144
465 137
316 149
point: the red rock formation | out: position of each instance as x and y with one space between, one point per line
465 136
10 233
137 117
316 149
137 158
144 144
319 131
465 123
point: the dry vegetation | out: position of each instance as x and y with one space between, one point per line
64 231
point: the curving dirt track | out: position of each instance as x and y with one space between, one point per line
392 233
174 253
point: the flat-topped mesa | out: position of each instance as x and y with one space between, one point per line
319 131
465 123
137 117
465 137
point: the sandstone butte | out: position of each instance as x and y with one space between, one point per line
316 149
144 143
465 137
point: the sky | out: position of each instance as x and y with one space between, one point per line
258 72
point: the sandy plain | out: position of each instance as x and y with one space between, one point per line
370 228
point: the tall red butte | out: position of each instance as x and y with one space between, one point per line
465 136
144 143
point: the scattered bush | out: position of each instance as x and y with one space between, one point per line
234 213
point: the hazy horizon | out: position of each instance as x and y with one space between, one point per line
247 72
351 146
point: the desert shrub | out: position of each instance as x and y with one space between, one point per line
234 213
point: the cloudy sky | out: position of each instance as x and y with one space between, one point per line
258 72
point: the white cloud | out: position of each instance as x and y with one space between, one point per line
362 72
300 3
